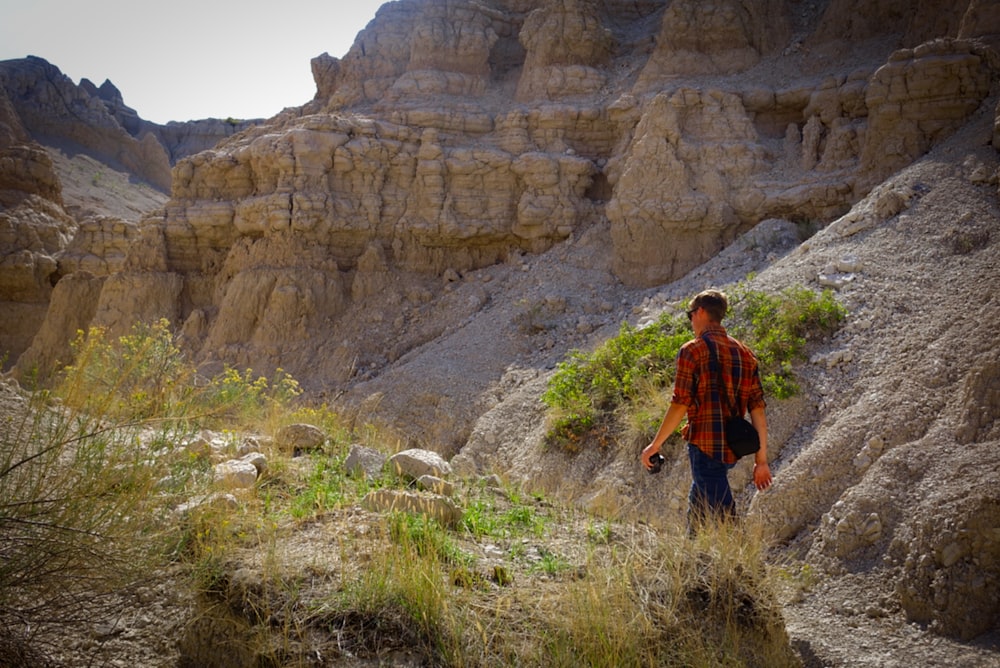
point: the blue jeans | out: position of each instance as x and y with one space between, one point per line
710 493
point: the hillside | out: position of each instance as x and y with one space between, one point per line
479 188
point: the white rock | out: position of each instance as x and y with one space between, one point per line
236 474
258 460
436 485
416 462
364 461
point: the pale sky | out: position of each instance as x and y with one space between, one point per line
185 60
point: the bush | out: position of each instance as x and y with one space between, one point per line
89 469
593 392
778 328
78 513
144 375
587 388
138 376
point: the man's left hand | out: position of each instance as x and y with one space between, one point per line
762 476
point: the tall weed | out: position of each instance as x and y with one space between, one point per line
90 469
77 506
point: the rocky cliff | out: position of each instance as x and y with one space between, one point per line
80 168
455 137
33 229
478 187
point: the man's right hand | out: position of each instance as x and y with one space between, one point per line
647 455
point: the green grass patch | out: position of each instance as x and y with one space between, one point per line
482 518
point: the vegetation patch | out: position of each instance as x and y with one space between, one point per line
619 386
97 469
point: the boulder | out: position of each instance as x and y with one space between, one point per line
436 485
415 463
258 460
236 474
300 438
950 558
437 507
366 462
99 246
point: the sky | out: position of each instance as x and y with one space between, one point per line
183 60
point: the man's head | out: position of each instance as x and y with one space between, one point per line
713 302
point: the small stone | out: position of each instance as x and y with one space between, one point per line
436 485
416 462
951 553
236 474
300 438
258 460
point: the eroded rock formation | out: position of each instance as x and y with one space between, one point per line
34 228
456 135
50 105
48 125
362 241
918 97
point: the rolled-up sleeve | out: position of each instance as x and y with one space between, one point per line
684 380
755 393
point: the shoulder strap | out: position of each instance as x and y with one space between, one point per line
717 370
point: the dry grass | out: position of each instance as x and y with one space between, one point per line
77 502
579 592
297 570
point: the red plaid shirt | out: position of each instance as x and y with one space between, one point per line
694 387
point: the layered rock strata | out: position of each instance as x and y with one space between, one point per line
34 228
358 242
51 106
457 135
48 125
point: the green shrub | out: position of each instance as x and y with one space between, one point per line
778 328
144 375
588 387
591 393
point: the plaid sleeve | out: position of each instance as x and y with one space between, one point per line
750 388
684 386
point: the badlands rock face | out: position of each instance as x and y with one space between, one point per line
44 119
454 136
478 187
33 229
50 105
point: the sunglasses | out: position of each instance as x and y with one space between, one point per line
691 312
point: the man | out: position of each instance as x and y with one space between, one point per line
706 411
